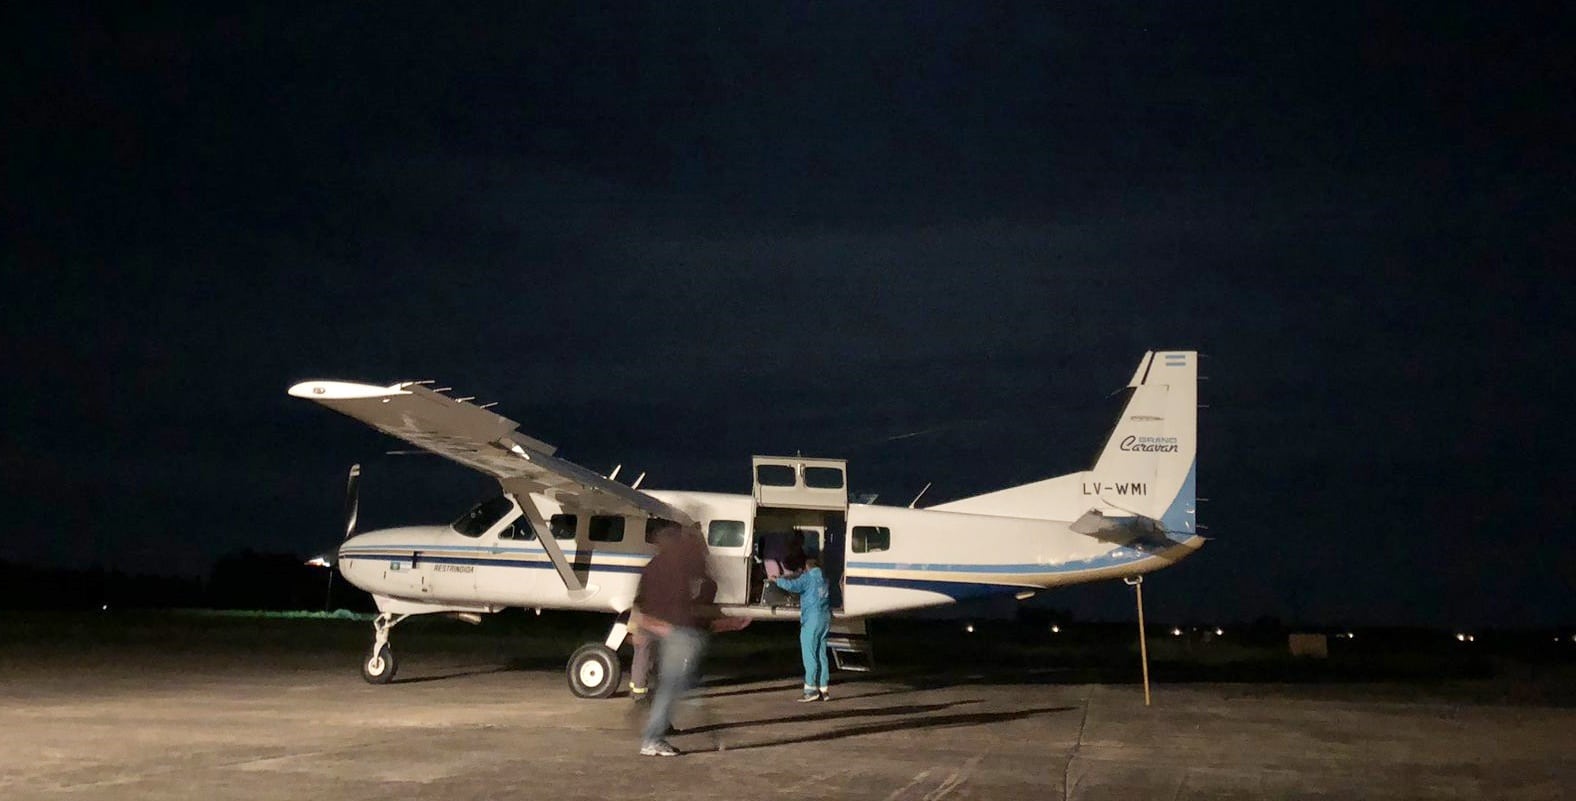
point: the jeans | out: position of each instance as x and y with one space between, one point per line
680 653
640 665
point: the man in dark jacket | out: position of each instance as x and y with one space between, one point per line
667 606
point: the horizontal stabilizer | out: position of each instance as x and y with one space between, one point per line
1145 533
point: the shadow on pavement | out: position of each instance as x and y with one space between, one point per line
838 714
459 673
906 724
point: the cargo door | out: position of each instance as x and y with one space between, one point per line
804 494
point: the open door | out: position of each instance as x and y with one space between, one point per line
796 482
804 499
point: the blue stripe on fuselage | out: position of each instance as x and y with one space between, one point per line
956 590
482 562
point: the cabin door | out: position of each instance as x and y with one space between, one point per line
806 500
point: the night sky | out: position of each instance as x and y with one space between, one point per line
671 236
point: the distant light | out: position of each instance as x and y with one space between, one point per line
1219 631
1464 637
1573 638
1461 638
1056 629
319 561
104 608
969 628
1350 636
1176 632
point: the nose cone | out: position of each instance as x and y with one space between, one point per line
370 560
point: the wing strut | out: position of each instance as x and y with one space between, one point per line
578 591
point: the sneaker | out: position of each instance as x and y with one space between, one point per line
808 697
658 748
826 696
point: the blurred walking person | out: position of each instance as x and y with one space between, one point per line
668 615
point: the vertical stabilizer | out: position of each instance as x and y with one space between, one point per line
1146 468
1147 465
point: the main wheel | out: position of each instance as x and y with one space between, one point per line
594 671
379 667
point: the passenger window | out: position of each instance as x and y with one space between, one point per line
774 475
607 528
563 526
812 541
725 534
653 525
823 478
869 539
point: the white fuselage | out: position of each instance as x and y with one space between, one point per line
931 558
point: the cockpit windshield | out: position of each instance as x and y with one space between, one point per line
483 515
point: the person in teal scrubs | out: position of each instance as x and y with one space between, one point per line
815 620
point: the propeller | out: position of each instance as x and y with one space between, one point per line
352 500
352 510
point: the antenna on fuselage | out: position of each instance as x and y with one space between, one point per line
613 476
638 479
920 495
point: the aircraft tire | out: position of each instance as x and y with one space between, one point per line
379 668
594 671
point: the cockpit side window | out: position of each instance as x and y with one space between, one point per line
483 516
518 530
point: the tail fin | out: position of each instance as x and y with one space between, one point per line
1146 468
1147 465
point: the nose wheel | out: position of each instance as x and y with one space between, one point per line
379 666
594 671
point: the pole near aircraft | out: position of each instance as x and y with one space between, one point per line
1137 583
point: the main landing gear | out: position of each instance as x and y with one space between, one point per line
594 669
378 668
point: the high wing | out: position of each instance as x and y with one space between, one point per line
479 439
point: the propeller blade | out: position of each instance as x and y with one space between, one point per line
352 500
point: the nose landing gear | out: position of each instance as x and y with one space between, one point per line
379 666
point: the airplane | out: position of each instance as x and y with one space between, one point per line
561 536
